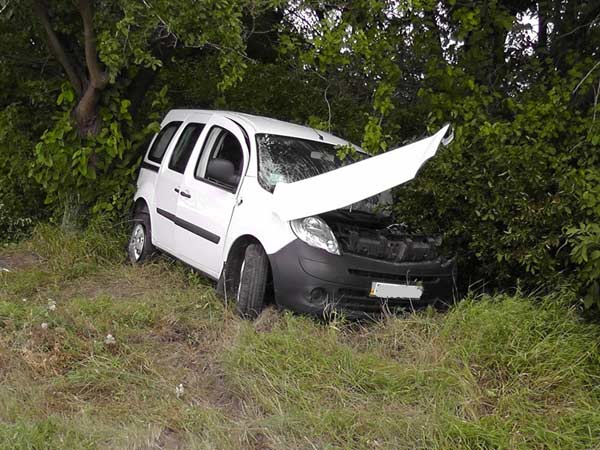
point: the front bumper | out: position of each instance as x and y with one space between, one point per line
312 281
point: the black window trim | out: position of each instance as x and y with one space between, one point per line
149 153
225 187
222 186
151 167
246 137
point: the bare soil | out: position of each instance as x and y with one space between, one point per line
18 260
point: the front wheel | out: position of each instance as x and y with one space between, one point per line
253 282
140 246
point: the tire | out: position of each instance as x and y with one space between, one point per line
140 247
253 277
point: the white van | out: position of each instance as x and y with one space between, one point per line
270 211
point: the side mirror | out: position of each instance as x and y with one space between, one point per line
222 171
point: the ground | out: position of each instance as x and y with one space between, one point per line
98 354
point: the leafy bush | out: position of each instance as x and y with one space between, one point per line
13 225
20 198
516 194
94 172
585 252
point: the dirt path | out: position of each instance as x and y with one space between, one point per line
17 260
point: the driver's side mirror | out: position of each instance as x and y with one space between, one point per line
222 171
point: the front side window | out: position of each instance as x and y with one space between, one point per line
225 147
162 141
185 146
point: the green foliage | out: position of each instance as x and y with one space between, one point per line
130 31
20 202
517 175
584 237
96 172
585 253
83 167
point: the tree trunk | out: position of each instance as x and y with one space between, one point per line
88 88
86 114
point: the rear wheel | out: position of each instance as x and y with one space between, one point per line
253 277
140 246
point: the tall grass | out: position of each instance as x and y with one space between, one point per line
492 372
62 249
501 372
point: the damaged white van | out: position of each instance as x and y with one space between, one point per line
270 211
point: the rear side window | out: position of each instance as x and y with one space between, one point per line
162 141
185 145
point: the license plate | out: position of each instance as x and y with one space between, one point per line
388 290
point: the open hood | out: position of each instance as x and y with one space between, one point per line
354 182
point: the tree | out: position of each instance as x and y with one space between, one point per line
88 84
515 194
125 41
105 57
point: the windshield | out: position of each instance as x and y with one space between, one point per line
285 159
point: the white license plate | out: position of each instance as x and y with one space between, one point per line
388 290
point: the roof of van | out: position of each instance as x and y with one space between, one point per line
260 124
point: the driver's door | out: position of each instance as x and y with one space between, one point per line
207 204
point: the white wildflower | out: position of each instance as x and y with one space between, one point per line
44 326
51 304
179 390
110 340
23 300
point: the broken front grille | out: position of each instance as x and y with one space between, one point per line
386 276
385 244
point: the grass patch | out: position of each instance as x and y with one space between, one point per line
503 372
182 371
46 434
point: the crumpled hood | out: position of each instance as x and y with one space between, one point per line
354 182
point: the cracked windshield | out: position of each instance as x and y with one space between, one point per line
286 159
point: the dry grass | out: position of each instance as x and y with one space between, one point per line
501 372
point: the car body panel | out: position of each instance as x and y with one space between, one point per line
254 216
208 206
165 199
192 225
355 182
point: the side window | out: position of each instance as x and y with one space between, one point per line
162 141
225 161
185 145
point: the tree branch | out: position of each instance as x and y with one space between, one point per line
57 48
98 78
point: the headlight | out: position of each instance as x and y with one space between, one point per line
316 233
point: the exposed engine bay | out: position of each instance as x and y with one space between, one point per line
376 236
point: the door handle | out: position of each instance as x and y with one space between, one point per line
185 194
